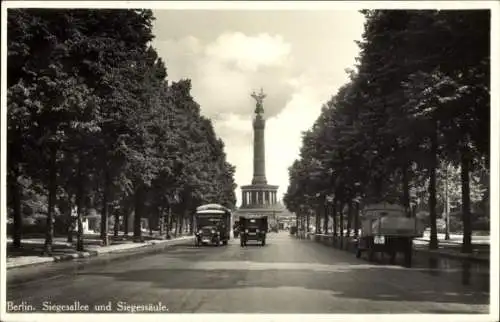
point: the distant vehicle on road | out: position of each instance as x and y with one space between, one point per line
386 228
253 229
213 225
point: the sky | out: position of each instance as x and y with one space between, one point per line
299 58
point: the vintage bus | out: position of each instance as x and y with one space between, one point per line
212 223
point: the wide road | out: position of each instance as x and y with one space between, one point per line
285 276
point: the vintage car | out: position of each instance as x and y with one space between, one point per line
253 229
212 224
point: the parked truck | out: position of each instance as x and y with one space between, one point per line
388 229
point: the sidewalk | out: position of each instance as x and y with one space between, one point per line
32 248
454 239
452 248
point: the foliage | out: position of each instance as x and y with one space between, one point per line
417 99
94 123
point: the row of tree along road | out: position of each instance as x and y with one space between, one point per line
412 126
94 124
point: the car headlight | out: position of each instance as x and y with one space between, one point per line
199 232
256 230
246 230
213 231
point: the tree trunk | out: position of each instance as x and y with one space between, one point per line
117 223
138 215
406 191
161 224
326 218
69 217
349 218
334 215
187 214
341 219
356 221
466 213
180 219
49 236
433 244
80 197
191 223
446 204
104 212
318 220
126 217
169 221
16 201
79 233
341 224
166 221
176 223
308 218
150 225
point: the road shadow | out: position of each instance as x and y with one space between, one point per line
467 272
376 284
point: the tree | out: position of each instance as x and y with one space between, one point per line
405 110
99 125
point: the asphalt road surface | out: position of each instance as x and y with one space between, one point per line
285 276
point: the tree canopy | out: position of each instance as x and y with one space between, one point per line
93 121
417 101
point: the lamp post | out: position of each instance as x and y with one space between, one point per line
446 206
325 216
317 213
357 201
329 199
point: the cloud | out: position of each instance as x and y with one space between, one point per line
249 53
227 70
284 132
299 69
